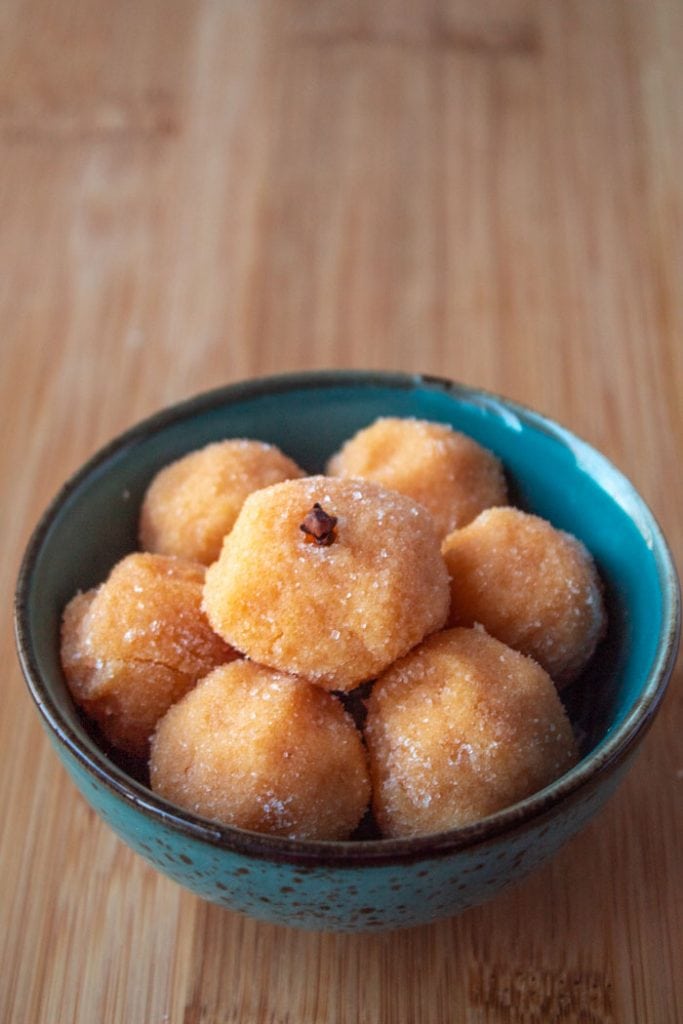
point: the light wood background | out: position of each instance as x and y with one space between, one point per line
197 192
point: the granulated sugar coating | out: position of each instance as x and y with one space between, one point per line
339 608
460 728
192 503
530 585
263 751
447 472
138 643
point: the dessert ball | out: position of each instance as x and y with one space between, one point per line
192 503
254 748
530 585
327 578
446 471
460 728
138 643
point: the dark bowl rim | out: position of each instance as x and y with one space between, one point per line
353 853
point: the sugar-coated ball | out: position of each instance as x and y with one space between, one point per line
460 728
530 585
264 751
332 579
446 471
193 503
138 643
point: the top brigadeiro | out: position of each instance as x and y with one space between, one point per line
329 579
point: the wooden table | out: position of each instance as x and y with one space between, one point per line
194 193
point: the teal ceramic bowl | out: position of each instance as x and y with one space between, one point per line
372 883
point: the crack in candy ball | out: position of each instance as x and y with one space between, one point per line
530 585
463 726
264 751
193 502
136 644
338 608
448 472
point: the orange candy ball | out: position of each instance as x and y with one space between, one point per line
193 503
459 729
138 643
532 586
446 471
263 751
336 613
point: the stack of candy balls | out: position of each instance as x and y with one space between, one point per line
297 654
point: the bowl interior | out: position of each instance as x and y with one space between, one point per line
93 521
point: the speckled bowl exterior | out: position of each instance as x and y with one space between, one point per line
370 884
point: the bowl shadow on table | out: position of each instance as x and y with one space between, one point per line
505 955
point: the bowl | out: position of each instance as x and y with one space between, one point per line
366 884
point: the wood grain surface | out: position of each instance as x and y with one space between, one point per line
198 192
